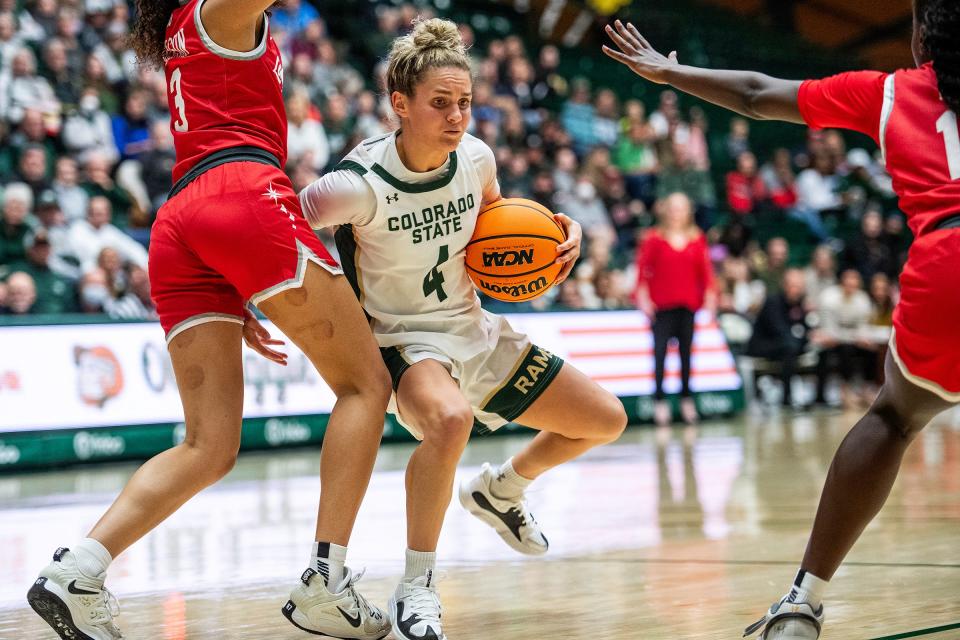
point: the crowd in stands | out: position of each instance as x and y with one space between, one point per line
86 157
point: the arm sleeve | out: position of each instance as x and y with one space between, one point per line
339 197
850 100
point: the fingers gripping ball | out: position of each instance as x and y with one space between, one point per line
512 255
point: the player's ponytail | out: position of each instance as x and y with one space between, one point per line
432 43
149 27
939 22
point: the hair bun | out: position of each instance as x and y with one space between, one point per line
437 33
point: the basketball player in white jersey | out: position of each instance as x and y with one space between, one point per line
407 205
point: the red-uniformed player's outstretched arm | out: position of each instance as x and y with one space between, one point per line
751 94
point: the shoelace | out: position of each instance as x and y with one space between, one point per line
106 607
520 513
425 602
362 602
523 511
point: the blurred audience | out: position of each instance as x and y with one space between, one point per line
87 156
90 236
781 332
845 312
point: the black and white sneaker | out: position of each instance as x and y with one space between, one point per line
75 605
340 612
788 621
511 518
415 609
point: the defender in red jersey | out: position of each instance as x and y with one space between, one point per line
912 114
232 232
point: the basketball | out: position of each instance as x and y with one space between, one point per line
512 254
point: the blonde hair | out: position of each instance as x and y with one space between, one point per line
432 43
691 229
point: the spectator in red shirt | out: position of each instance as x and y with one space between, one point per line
675 279
780 180
745 188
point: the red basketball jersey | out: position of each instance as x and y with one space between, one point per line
904 113
221 98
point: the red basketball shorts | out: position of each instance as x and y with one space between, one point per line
234 234
926 342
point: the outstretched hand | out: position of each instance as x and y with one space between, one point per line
637 54
256 336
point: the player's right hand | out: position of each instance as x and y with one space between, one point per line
637 54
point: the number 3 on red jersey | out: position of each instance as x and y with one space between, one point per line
180 124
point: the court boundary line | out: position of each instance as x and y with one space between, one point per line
921 632
885 565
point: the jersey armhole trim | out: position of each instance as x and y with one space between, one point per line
350 165
889 93
230 54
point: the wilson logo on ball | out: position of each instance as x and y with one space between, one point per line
516 290
507 258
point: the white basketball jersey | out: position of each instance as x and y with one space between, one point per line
407 264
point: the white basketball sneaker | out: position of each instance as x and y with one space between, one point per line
415 609
75 605
343 613
511 518
788 621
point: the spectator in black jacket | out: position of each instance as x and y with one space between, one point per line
869 252
780 331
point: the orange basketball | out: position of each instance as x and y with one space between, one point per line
513 251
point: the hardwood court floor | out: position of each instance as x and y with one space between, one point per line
688 540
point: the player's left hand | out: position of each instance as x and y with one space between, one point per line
569 250
637 54
256 336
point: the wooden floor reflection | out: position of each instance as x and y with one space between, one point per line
688 539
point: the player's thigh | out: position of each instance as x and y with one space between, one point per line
575 406
430 399
325 320
208 367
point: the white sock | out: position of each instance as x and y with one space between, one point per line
92 557
508 483
807 588
328 559
419 563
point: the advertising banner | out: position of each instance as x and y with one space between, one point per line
107 391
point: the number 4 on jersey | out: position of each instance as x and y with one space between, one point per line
433 281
